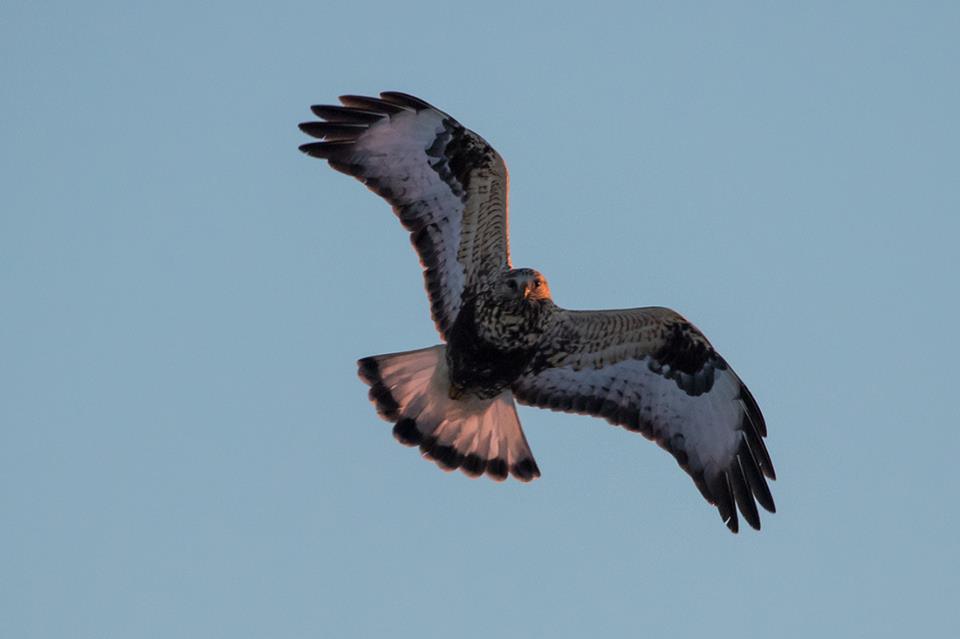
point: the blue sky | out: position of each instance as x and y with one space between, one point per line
185 449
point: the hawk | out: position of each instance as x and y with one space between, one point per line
648 370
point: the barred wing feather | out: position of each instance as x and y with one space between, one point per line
651 371
445 183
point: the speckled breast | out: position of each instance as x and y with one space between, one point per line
489 346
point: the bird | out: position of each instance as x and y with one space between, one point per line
503 339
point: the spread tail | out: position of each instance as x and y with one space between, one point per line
478 436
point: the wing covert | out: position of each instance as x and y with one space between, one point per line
444 182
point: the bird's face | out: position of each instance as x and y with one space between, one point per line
524 284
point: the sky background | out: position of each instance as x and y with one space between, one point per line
185 449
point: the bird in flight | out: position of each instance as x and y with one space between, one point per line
648 369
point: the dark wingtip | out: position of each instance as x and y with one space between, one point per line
722 495
770 472
308 149
405 100
333 131
755 429
743 496
753 409
323 150
344 114
754 478
367 103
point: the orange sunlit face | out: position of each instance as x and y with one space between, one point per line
526 284
537 288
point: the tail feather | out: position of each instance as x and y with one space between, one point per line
478 436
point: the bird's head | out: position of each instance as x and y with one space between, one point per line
524 284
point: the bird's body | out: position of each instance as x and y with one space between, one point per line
495 336
646 369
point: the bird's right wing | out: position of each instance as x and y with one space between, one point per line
445 183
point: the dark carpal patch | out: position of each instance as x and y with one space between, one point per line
681 351
688 361
458 152
465 153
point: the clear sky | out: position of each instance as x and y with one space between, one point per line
185 449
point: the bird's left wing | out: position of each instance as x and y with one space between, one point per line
445 183
651 371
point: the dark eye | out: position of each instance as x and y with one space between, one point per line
536 284
512 284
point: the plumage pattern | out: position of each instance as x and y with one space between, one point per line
474 434
646 369
445 183
651 371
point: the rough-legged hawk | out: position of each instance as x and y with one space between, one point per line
646 369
